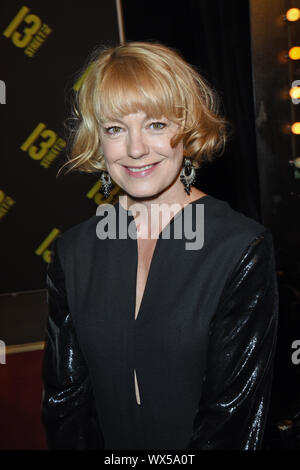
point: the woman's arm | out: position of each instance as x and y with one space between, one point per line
236 389
68 412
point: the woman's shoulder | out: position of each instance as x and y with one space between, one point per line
79 237
228 227
83 237
220 214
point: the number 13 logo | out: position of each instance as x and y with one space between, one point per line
37 152
23 39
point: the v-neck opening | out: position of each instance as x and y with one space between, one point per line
147 279
138 316
181 212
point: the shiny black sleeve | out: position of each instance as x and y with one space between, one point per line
68 411
236 389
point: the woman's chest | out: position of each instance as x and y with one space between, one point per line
146 248
159 303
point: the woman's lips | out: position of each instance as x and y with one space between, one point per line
137 173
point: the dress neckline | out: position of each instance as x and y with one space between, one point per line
207 196
155 256
119 207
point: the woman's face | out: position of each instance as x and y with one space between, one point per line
138 154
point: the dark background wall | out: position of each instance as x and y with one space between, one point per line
39 71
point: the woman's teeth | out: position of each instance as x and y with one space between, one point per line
140 169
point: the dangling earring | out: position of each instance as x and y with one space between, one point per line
106 184
188 175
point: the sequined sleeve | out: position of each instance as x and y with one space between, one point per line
68 412
236 389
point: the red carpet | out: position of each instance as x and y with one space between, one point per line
20 402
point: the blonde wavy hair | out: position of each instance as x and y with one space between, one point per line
149 77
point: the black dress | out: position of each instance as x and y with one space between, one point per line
202 345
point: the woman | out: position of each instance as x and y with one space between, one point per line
153 343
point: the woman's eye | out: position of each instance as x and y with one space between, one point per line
157 125
113 130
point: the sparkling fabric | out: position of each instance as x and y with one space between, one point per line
243 334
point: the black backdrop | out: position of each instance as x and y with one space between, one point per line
35 206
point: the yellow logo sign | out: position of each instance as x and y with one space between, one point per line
6 202
30 37
48 145
43 250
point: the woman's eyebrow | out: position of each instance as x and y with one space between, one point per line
111 121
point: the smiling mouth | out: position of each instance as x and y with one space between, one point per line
136 169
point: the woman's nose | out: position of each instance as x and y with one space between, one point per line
137 146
